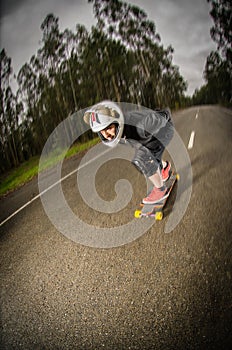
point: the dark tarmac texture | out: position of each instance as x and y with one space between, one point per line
160 291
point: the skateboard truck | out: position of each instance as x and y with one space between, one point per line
156 210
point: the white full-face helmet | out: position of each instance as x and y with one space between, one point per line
103 114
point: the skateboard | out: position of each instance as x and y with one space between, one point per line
156 210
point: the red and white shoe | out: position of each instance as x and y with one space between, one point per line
165 172
155 196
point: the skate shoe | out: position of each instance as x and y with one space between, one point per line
156 196
165 172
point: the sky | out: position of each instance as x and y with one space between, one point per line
183 24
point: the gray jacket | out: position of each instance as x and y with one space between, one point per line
148 127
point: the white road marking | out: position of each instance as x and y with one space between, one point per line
191 140
53 185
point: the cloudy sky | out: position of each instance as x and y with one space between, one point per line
184 24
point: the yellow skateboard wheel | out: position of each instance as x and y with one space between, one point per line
159 215
137 214
177 177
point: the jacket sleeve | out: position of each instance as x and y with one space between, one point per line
154 121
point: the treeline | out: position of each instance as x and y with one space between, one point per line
218 67
121 58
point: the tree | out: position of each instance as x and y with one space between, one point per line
51 56
130 26
218 69
221 32
121 58
8 116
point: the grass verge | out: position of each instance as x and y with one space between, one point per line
29 169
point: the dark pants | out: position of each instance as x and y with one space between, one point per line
148 159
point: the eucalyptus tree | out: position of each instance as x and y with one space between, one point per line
220 63
74 43
8 116
94 68
130 25
127 24
219 79
27 90
30 94
51 55
68 39
11 124
221 32
105 29
52 49
6 71
218 66
106 68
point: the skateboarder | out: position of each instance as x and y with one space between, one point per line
149 132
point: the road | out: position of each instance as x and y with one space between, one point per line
159 291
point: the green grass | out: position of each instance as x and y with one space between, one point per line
29 169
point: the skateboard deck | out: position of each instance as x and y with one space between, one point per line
156 210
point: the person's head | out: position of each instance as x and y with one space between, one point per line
109 132
106 119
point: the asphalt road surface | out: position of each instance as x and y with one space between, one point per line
158 291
